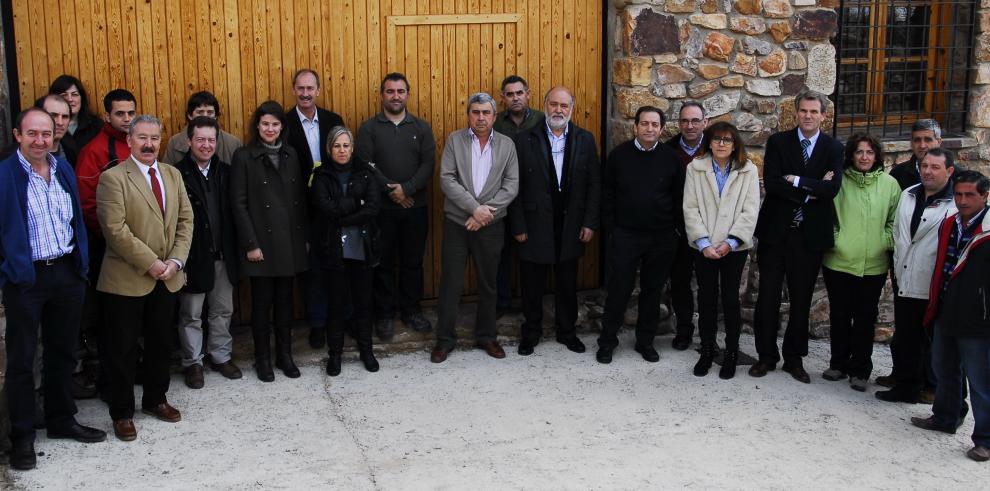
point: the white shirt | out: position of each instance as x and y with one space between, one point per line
557 151
481 162
147 178
311 128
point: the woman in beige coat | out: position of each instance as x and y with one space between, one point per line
721 203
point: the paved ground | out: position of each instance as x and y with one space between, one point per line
555 420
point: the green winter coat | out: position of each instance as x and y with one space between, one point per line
864 223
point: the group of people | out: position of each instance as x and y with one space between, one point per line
98 236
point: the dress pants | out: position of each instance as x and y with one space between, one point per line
533 278
505 272
221 308
955 360
853 309
349 287
314 291
485 247
800 266
681 295
908 346
719 278
54 303
403 242
652 252
130 318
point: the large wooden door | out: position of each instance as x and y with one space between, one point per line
245 52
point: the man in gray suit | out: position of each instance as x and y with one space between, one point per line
479 177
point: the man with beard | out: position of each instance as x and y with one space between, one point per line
402 149
559 173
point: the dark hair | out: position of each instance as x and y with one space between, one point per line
738 147
301 71
62 84
651 109
972 176
393 77
40 102
513 79
202 98
811 95
266 108
852 144
117 95
941 152
687 104
202 122
19 120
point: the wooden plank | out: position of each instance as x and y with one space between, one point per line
410 60
141 74
174 39
511 53
346 85
301 56
164 107
275 66
421 68
131 68
484 82
556 44
314 49
287 55
474 18
190 46
25 57
232 114
566 47
375 68
249 99
218 52
360 61
86 38
578 80
335 55
39 52
533 53
61 31
101 83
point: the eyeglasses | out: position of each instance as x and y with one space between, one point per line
724 140
690 122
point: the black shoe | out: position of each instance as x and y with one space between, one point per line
574 344
77 432
930 424
649 353
797 372
368 358
417 322
526 347
760 369
317 337
705 361
896 395
263 368
385 328
729 360
22 456
604 355
681 342
333 365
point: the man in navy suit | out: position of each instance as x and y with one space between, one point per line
802 171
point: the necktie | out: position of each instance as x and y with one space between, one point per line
799 212
156 189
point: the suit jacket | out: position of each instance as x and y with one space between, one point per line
296 137
784 156
136 232
552 218
457 183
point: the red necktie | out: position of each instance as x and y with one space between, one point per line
157 189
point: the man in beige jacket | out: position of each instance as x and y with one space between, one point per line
147 221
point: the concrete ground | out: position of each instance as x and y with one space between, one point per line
554 420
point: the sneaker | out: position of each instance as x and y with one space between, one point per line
833 375
858 384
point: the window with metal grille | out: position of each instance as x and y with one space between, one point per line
902 60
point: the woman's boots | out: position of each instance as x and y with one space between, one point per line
283 352
729 360
705 362
262 354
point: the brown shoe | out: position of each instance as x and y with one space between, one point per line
797 371
439 354
227 369
493 349
194 376
760 369
979 453
164 412
124 429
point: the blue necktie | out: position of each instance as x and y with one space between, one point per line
799 212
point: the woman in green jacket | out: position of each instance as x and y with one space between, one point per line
856 268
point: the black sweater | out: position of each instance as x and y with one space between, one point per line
643 190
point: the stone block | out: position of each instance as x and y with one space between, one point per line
766 106
982 47
796 45
979 107
748 7
692 42
815 24
756 157
718 46
720 104
774 64
711 21
744 64
748 122
671 74
621 130
753 45
792 84
829 4
804 3
780 31
777 9
679 6
982 74
821 68
710 71
628 100
733 81
648 33
763 87
759 138
709 6
665 58
796 61
748 25
632 71
984 25
702 89
673 91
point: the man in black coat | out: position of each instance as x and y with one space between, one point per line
307 126
211 268
554 215
802 172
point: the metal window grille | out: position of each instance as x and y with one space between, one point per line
903 60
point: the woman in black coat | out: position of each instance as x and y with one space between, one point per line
268 203
346 196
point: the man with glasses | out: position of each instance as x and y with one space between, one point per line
692 122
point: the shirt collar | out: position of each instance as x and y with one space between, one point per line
976 218
813 138
550 131
302 117
26 165
144 167
654 147
692 150
919 192
475 137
